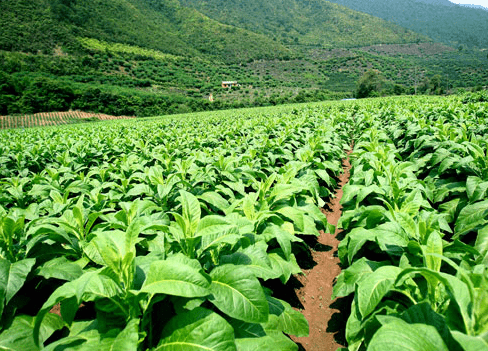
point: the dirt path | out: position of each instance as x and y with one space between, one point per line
315 295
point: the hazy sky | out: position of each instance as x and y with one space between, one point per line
473 2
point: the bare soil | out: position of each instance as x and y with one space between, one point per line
324 319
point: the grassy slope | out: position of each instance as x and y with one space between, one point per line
440 20
309 22
148 49
41 25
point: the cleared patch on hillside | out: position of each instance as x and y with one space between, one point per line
53 118
419 50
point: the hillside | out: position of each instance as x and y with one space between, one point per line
307 22
228 31
440 20
150 57
41 25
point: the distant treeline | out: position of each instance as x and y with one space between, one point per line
43 94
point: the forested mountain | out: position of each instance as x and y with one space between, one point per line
42 25
230 30
149 57
309 22
441 20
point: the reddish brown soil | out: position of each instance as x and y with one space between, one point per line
315 295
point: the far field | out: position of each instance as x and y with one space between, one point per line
53 119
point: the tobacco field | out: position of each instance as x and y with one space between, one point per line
165 233
53 119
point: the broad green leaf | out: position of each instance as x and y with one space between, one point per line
471 217
353 242
367 217
117 255
482 243
89 287
127 339
388 236
348 278
19 336
138 190
12 278
349 192
216 230
283 237
260 264
191 211
316 214
141 225
246 330
197 330
373 287
174 277
322 174
448 187
293 214
423 313
398 335
282 267
391 238
215 199
433 246
469 342
87 336
284 191
458 290
238 293
476 188
450 208
63 269
290 321
273 341
354 328
248 206
412 203
408 224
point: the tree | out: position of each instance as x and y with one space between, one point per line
371 81
44 95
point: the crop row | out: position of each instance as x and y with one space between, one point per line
415 226
162 234
51 118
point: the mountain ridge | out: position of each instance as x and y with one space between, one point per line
190 28
150 57
440 20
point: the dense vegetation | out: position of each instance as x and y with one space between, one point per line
311 22
156 233
167 231
138 57
440 20
42 25
415 226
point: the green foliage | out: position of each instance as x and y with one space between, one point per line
150 234
371 83
441 20
175 55
316 22
163 26
415 219
166 230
